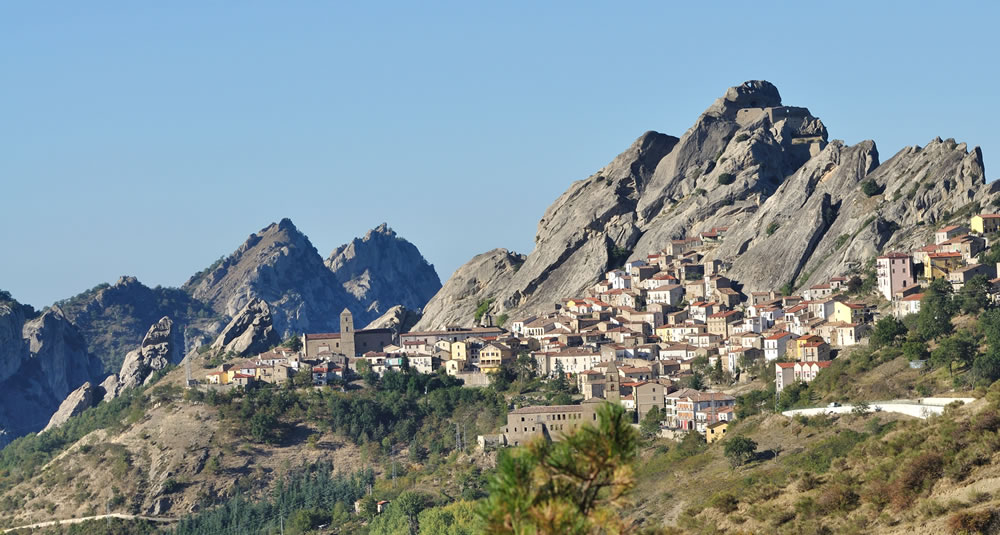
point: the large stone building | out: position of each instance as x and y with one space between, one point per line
552 422
348 341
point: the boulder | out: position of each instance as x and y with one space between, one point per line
251 331
78 401
158 350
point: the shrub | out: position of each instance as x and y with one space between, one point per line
838 497
772 227
742 137
916 476
726 179
870 188
970 521
725 502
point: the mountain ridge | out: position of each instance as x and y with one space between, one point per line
746 158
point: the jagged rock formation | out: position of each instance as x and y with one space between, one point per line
158 350
251 331
38 368
114 318
398 318
78 401
280 266
793 204
480 279
382 270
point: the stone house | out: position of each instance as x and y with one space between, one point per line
551 422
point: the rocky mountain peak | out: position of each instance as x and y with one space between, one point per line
749 94
793 204
382 270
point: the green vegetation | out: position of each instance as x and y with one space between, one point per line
481 308
393 413
726 179
772 227
871 188
740 450
841 240
21 459
302 500
502 319
742 137
617 256
575 486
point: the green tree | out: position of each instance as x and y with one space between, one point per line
527 367
695 381
887 331
974 295
986 367
915 350
410 504
861 408
306 520
369 506
650 426
936 311
870 188
739 450
293 342
571 487
958 348
559 384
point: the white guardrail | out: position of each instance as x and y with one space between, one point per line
918 408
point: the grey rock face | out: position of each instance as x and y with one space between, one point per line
398 318
792 202
479 279
382 270
280 266
78 401
114 318
49 361
158 350
109 388
251 331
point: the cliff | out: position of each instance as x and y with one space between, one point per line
792 201
42 360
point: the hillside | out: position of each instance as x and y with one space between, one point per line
798 208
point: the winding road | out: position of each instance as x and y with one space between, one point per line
68 521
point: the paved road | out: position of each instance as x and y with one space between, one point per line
84 519
918 408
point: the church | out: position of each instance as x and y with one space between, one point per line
348 341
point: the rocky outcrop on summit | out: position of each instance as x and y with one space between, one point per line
48 361
251 331
398 318
159 349
114 318
78 401
280 266
382 270
793 204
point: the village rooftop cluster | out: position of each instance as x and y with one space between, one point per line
643 332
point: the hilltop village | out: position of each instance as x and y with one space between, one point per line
666 334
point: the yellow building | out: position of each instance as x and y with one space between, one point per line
716 432
493 355
848 312
985 223
939 265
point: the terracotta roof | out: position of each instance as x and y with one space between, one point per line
785 364
547 408
913 297
945 255
778 336
990 216
949 228
895 255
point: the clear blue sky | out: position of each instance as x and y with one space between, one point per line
152 138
